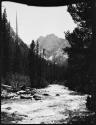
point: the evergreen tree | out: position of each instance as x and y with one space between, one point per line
31 58
81 51
37 48
17 58
13 52
5 45
38 65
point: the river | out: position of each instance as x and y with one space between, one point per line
58 105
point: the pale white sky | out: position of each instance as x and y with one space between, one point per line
34 22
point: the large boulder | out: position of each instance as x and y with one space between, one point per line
46 94
37 97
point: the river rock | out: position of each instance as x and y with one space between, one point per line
45 94
25 97
37 97
57 95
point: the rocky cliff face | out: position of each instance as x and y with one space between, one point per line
51 48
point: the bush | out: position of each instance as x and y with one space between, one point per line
17 81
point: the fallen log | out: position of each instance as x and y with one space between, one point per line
21 92
6 87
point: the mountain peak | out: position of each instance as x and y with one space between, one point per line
52 42
51 35
53 48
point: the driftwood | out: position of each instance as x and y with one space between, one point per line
21 92
5 86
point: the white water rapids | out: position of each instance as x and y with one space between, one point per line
50 109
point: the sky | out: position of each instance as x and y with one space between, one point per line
34 22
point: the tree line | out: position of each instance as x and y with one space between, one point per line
81 74
18 58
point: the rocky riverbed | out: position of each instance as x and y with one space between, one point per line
55 104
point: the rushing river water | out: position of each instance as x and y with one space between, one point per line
58 105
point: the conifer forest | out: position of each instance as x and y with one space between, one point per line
42 86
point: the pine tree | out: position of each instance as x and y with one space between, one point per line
38 64
82 44
31 58
17 58
37 48
5 45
